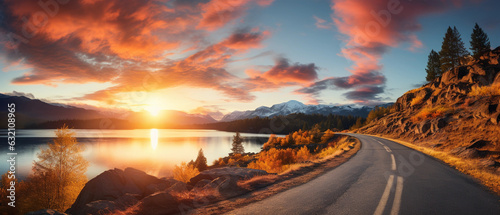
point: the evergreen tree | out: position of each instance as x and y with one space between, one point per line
480 43
452 50
340 126
433 66
237 144
201 161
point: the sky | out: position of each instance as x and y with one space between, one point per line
217 56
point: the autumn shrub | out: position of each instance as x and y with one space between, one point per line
431 113
490 90
184 172
274 160
303 154
327 136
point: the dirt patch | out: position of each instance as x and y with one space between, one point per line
301 174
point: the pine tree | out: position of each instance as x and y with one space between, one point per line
452 50
201 161
433 66
480 43
237 144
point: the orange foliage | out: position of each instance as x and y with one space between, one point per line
298 138
431 113
303 154
274 160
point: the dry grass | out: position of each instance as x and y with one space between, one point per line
184 172
417 100
467 166
490 90
431 113
258 181
414 90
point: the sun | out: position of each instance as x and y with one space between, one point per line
153 110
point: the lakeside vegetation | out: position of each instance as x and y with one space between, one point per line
58 177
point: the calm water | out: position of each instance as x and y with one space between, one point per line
154 151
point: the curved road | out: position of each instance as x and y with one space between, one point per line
384 177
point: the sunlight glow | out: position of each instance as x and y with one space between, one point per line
153 110
154 138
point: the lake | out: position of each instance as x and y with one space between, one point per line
154 151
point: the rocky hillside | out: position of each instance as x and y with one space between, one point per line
458 112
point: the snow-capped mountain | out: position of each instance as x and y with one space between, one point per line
298 107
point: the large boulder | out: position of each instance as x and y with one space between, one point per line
113 184
234 172
45 212
107 206
160 203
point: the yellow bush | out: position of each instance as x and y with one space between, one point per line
184 172
274 160
303 154
431 113
327 136
490 90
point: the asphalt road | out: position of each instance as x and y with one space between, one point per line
384 177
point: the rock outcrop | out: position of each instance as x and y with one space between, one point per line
451 112
45 212
136 192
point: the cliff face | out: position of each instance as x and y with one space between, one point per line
458 112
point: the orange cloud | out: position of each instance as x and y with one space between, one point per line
127 43
217 13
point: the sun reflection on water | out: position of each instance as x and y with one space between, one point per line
154 138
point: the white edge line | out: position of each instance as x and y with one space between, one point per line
385 197
397 198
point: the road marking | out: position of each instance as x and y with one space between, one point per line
393 162
385 196
387 149
397 198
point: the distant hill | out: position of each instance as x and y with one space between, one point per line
285 124
34 113
293 106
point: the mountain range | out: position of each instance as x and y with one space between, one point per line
293 106
34 113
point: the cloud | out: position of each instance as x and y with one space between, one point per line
321 23
365 94
128 44
370 29
211 110
204 69
217 13
283 73
15 93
